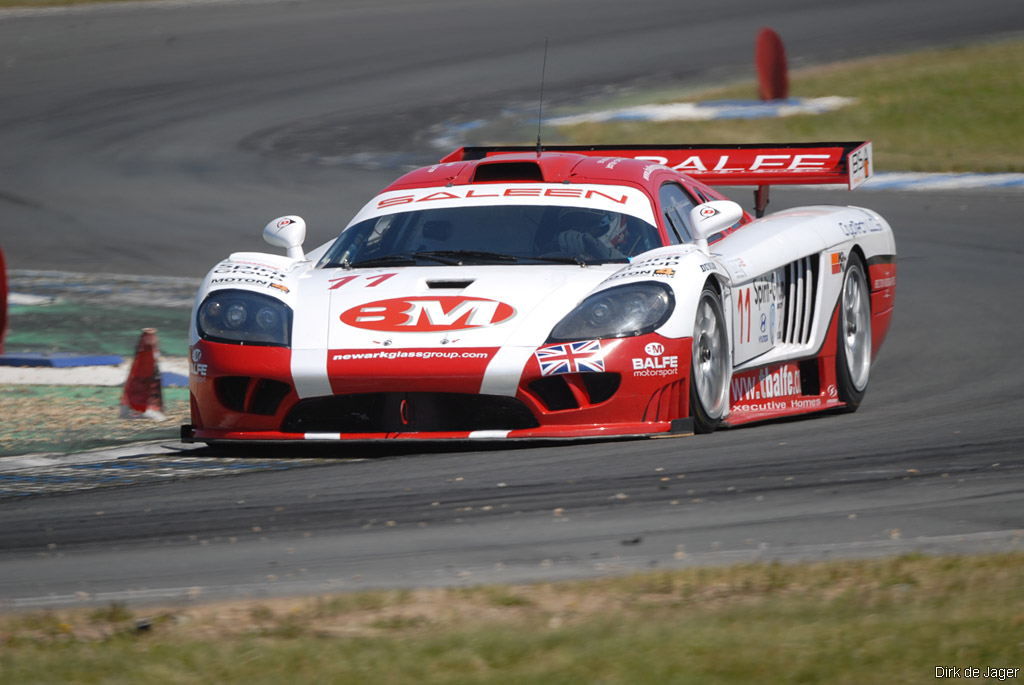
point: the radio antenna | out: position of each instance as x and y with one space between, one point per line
540 106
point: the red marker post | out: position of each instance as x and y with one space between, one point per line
772 72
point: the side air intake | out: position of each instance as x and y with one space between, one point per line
801 288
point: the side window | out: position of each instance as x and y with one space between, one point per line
676 204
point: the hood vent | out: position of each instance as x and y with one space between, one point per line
451 284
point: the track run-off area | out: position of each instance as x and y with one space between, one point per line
154 139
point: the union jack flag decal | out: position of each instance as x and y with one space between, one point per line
577 357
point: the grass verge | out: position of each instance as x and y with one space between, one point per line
893 620
74 418
89 328
936 110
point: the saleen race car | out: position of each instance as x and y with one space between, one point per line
559 293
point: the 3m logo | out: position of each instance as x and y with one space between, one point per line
654 349
428 314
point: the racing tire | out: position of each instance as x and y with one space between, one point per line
853 335
711 364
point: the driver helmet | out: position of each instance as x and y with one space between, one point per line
613 229
607 227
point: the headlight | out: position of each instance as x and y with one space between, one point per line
619 312
239 316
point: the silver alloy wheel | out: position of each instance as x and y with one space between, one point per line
711 356
856 326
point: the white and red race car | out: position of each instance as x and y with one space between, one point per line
566 293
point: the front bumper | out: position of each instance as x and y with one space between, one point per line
630 387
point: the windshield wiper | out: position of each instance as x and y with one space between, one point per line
560 260
470 254
452 258
500 257
402 260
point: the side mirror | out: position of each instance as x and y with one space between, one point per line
288 232
713 217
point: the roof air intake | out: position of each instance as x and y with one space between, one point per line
497 172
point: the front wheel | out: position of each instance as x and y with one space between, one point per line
853 343
710 368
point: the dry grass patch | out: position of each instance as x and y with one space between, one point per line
833 622
39 419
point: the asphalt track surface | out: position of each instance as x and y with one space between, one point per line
155 139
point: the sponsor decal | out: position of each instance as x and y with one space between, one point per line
740 162
249 280
650 168
766 290
737 267
367 281
285 222
520 191
409 354
656 363
428 314
577 357
246 268
708 266
439 166
708 212
630 272
838 261
663 260
855 228
754 303
884 283
767 384
195 368
780 405
656 366
859 163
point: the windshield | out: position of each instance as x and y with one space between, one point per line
495 234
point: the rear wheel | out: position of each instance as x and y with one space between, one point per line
710 366
853 344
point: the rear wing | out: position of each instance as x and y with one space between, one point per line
729 165
759 165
